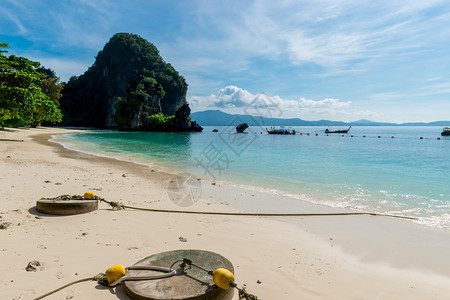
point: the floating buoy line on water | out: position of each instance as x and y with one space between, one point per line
355 136
366 136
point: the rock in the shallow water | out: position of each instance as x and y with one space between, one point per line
196 127
182 120
241 127
33 266
182 117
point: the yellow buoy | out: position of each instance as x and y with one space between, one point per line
114 273
89 195
222 278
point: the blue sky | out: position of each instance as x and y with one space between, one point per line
323 59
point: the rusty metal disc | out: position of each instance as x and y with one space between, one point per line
193 284
66 207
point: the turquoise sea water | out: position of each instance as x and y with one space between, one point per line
376 169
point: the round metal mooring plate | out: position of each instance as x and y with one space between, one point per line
66 207
193 284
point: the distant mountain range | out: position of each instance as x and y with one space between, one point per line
219 118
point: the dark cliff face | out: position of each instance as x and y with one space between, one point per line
126 59
140 101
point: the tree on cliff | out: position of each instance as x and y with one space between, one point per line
22 101
117 77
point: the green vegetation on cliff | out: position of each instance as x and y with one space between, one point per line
140 101
22 100
160 122
128 82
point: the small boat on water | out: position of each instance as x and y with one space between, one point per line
445 131
337 131
274 130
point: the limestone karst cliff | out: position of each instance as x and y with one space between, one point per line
128 83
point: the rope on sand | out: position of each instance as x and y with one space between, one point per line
9 140
115 275
95 278
118 206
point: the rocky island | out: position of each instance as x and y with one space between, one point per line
129 87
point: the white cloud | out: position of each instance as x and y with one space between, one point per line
86 26
228 97
367 114
63 68
339 36
233 99
232 96
21 29
434 78
388 96
434 89
325 103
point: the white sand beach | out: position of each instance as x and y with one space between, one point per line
334 257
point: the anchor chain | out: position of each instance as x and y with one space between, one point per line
243 294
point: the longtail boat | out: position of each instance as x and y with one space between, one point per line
337 131
274 130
